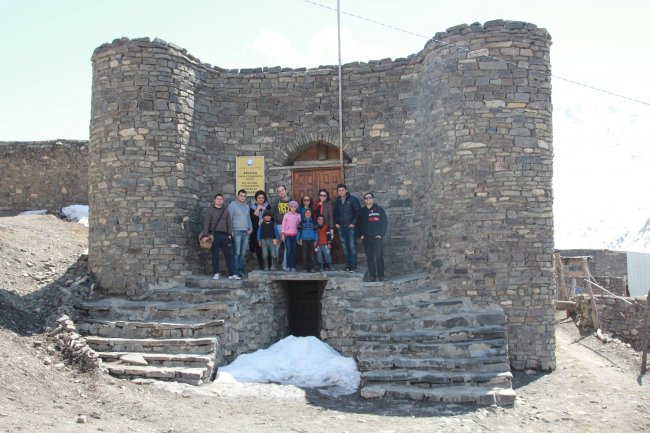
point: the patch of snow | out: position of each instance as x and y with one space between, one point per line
33 212
76 212
301 361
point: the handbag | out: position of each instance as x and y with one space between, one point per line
206 244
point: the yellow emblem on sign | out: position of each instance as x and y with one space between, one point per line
250 174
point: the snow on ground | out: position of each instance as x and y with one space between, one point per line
33 212
77 212
305 362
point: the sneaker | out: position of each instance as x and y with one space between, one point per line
352 270
346 269
215 277
234 277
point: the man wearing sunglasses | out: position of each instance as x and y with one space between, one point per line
373 223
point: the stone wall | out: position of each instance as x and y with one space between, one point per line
487 140
620 319
456 145
42 175
602 262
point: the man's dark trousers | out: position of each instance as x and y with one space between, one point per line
374 248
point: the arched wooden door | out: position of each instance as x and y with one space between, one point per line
308 181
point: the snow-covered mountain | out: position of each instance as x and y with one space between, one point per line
636 241
601 177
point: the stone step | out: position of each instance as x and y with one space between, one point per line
401 312
196 295
391 296
496 363
136 329
192 376
153 345
163 359
207 282
432 378
460 349
460 319
481 395
121 309
427 336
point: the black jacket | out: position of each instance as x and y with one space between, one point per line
346 213
373 222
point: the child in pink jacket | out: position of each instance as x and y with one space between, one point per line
289 233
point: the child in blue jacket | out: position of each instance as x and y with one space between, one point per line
307 237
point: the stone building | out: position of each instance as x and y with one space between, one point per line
42 175
455 141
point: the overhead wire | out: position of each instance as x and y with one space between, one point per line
549 74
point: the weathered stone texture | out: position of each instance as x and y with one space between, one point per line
620 317
457 146
42 175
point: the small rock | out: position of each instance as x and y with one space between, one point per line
82 419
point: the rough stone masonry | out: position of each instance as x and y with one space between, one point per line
456 142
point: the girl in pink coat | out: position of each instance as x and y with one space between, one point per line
289 233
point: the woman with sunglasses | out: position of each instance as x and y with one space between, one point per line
305 203
325 208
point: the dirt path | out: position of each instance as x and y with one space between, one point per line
594 388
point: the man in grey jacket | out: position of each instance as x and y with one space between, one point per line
216 220
242 227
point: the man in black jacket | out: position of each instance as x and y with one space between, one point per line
346 214
373 223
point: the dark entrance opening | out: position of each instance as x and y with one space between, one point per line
304 307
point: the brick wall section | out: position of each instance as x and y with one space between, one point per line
617 318
456 146
42 175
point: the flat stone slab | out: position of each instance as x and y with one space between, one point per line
133 359
482 395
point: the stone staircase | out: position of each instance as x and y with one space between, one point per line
409 340
171 334
417 345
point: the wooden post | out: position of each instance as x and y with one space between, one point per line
559 276
595 319
644 335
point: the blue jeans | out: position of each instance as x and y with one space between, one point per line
324 257
348 242
240 246
269 252
292 251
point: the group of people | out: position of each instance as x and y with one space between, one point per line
274 230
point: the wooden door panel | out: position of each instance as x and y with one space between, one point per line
309 182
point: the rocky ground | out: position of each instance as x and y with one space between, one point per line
595 388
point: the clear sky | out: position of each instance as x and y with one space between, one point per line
46 47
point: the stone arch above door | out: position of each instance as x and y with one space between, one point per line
303 146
